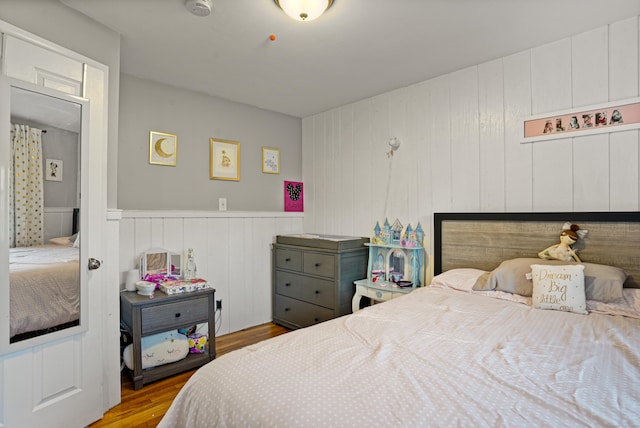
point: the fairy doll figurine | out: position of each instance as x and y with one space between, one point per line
564 250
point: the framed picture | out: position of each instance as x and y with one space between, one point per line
53 170
293 196
163 148
597 119
270 160
224 160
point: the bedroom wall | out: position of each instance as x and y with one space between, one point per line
460 148
195 118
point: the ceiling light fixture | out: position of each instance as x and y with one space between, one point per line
304 10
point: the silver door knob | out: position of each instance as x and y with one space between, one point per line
93 263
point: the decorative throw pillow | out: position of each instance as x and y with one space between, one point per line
602 283
559 288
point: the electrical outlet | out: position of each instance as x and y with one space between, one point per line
218 304
222 204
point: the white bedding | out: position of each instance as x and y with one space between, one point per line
44 287
435 357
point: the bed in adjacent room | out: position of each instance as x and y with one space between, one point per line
459 352
45 287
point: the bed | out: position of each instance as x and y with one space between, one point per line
449 354
45 287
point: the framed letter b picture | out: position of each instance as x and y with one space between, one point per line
224 162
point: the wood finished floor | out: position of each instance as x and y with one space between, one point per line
146 406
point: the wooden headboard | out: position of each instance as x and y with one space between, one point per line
484 240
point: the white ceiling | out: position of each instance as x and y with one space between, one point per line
358 49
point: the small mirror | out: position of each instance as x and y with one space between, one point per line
397 262
176 265
158 261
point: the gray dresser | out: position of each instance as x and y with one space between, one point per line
313 277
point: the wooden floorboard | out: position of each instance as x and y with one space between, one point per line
146 406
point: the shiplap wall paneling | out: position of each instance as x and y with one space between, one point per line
321 202
331 169
625 158
364 168
491 137
465 147
623 84
418 183
518 157
441 164
382 179
590 84
623 59
402 173
308 173
218 234
346 177
552 160
418 128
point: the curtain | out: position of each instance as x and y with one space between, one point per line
25 187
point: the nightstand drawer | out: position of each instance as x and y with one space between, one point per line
299 313
289 259
174 315
319 264
313 290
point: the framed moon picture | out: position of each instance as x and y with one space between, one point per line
293 196
163 148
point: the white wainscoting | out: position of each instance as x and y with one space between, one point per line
57 222
232 251
460 141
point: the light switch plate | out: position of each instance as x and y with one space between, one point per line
222 204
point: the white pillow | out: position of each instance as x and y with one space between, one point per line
559 287
62 240
459 279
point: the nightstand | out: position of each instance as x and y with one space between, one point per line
376 291
143 316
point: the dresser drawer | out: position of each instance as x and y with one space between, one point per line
174 315
313 290
300 313
319 264
289 259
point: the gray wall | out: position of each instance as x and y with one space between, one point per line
195 118
68 28
62 145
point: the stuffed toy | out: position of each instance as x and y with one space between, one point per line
564 251
197 343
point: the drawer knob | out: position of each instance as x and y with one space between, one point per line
178 314
317 265
288 259
316 319
287 309
287 284
317 291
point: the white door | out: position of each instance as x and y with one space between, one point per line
58 381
